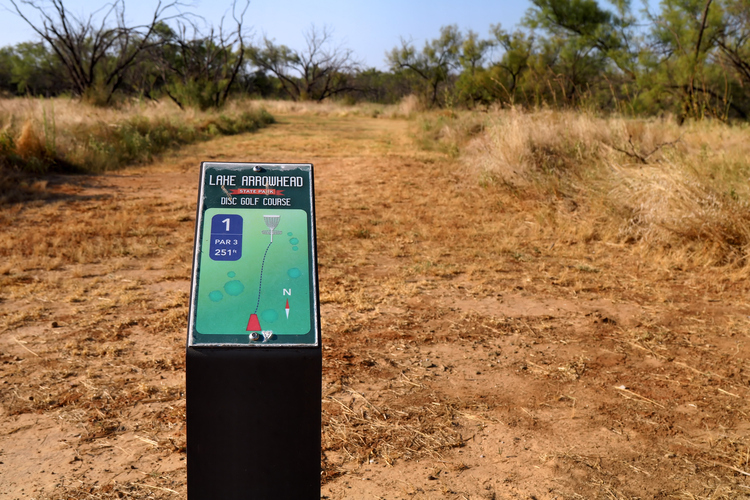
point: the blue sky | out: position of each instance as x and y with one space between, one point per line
368 28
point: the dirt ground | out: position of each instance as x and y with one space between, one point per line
464 357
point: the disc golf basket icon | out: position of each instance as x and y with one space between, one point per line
272 222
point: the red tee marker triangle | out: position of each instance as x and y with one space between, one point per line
253 325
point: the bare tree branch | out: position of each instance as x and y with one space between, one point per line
94 53
201 68
319 71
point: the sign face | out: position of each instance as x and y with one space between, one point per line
254 272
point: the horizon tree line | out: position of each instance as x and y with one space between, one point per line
691 58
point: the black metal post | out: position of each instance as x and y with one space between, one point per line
253 420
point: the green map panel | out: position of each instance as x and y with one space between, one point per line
270 280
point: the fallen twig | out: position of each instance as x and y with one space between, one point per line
155 487
624 389
641 156
21 344
733 468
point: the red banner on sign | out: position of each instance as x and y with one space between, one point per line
276 192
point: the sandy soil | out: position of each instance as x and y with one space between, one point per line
451 369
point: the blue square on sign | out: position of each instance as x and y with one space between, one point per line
226 237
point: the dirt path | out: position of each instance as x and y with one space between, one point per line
463 358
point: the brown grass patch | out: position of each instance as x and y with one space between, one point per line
477 323
680 191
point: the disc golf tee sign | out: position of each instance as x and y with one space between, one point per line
254 274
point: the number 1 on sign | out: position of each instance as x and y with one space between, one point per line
226 221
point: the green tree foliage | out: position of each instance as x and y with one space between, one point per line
693 59
588 28
257 83
29 68
683 74
6 65
433 64
472 83
385 87
733 39
509 71
587 49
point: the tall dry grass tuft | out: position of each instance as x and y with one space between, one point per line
409 106
681 190
28 144
520 147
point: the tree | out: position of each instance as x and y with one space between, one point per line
684 37
319 71
434 64
733 39
590 27
588 52
471 85
96 56
201 69
517 50
6 71
36 71
382 86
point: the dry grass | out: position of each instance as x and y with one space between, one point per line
680 191
411 423
409 107
407 239
64 113
69 135
115 231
